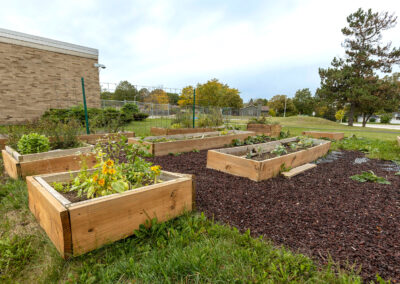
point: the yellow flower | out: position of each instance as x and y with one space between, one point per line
101 181
111 171
104 171
95 178
110 163
156 169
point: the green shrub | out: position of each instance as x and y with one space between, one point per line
33 143
129 110
185 119
64 135
372 119
140 116
386 118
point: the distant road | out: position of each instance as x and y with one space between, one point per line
381 126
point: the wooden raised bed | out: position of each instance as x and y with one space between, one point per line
228 160
87 138
77 228
190 142
20 166
159 131
329 135
273 130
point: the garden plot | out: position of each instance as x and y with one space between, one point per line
163 145
159 131
20 166
329 135
78 227
322 213
263 161
272 130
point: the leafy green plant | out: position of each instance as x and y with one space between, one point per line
279 150
284 134
33 143
251 140
369 176
386 118
129 110
64 135
261 120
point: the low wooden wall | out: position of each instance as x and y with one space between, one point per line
228 160
273 130
77 228
158 131
329 135
88 138
20 166
179 146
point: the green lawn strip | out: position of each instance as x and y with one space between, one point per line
191 248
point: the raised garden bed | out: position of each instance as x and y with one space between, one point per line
329 135
273 130
163 145
87 138
263 164
79 227
158 131
20 166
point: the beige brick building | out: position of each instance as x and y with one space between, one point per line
38 73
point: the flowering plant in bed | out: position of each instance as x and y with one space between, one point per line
120 167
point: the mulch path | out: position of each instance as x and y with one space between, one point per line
320 213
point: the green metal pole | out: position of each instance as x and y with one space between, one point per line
85 107
194 107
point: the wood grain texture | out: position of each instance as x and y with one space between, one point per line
94 138
55 165
272 130
52 216
298 170
11 166
3 141
329 135
102 221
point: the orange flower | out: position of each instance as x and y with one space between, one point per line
95 177
111 171
104 171
110 163
101 181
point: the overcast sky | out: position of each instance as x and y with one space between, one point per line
262 48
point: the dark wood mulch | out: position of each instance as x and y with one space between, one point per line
320 213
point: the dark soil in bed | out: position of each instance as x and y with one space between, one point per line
320 213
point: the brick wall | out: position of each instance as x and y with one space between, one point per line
33 80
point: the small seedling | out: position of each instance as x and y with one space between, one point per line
369 176
279 150
195 151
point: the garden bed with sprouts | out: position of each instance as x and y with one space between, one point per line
164 145
158 131
83 210
263 161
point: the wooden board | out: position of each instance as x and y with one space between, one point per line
11 166
94 138
273 130
3 141
55 165
329 135
169 131
298 170
52 216
229 160
178 146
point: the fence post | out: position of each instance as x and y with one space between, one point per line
194 107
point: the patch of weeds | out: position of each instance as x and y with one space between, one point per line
175 154
15 253
195 151
369 176
283 168
374 148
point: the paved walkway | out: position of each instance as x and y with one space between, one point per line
380 126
